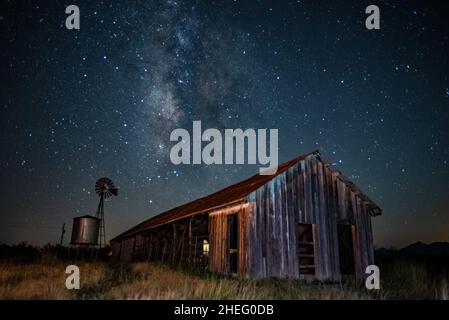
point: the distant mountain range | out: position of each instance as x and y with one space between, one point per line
420 249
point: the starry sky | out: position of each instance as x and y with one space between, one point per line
77 105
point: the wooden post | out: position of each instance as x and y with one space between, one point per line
163 251
190 240
196 248
181 243
62 234
150 246
173 243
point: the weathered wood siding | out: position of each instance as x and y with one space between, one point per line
218 242
126 251
243 242
271 228
116 247
310 193
219 239
363 237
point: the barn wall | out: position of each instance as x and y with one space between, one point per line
127 247
116 247
219 242
176 242
363 237
311 193
243 242
271 230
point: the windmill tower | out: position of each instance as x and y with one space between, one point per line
104 188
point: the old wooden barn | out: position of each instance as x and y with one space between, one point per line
308 220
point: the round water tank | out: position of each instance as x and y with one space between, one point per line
85 230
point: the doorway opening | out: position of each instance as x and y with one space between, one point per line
306 248
346 249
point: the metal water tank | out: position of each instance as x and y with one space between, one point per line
85 230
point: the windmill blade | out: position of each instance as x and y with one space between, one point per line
104 187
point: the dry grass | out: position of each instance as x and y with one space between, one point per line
161 282
154 281
410 279
42 281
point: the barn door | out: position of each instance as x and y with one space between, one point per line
306 249
233 243
346 249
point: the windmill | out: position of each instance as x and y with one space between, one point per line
104 188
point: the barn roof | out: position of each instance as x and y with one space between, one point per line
234 193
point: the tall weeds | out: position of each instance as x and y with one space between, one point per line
100 280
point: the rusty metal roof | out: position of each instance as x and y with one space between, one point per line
232 194
225 196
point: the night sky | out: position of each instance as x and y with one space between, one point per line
77 105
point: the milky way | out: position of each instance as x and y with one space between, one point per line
102 101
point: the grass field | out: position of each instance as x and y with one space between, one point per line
102 280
